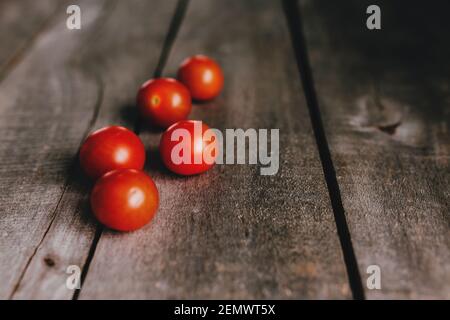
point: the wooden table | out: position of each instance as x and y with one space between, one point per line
364 150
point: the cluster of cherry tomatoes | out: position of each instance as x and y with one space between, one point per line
125 198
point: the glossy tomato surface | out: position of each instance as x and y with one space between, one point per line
164 101
202 76
186 149
125 199
111 148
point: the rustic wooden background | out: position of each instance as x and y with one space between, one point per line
365 146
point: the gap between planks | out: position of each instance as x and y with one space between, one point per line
294 20
174 27
15 61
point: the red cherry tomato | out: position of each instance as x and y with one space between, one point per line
202 76
111 148
164 101
124 199
187 149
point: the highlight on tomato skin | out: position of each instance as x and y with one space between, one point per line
202 76
164 101
111 148
124 199
188 147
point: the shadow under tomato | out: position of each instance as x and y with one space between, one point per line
129 115
155 166
146 127
82 185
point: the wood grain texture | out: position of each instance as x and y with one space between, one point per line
20 23
122 48
231 233
43 117
385 100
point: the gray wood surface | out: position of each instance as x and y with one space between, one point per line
43 117
385 102
20 23
231 233
90 82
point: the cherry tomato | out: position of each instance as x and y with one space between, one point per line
164 101
186 148
124 199
111 148
202 76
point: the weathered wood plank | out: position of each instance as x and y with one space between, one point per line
20 22
385 101
122 50
43 117
231 233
